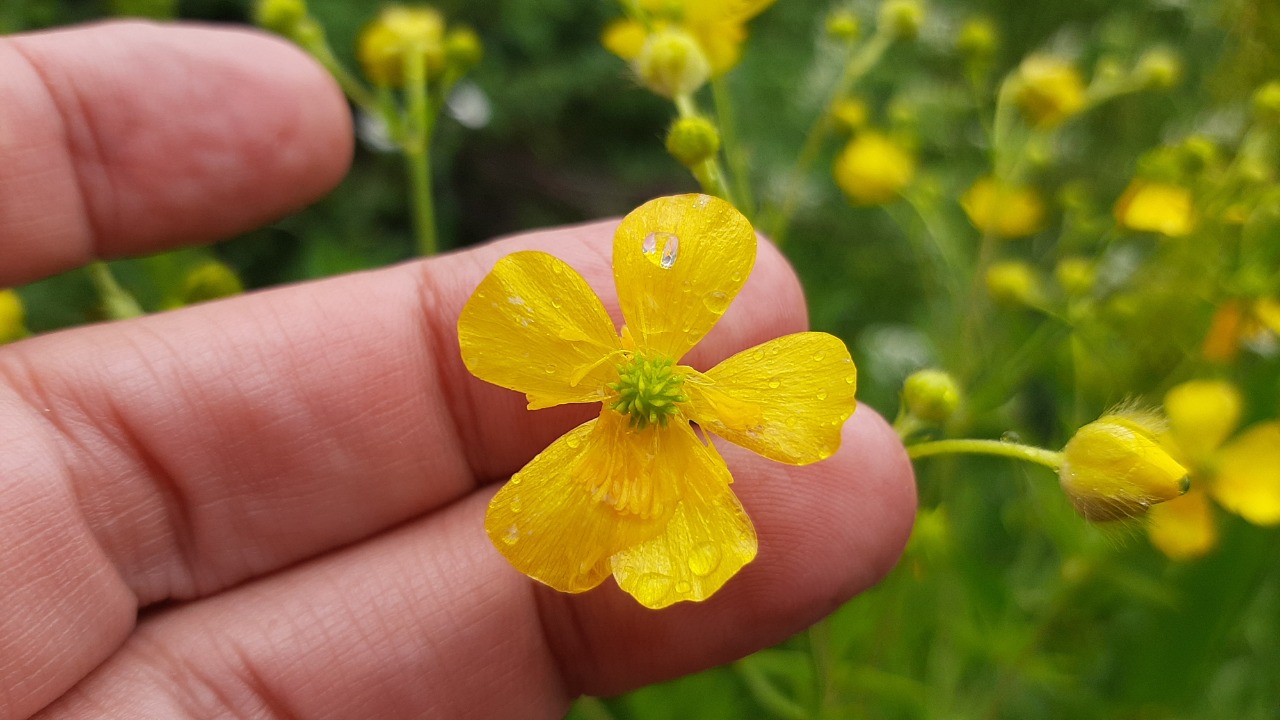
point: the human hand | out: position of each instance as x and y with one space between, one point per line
273 505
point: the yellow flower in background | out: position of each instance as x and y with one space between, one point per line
1239 322
1241 472
638 493
718 26
1114 468
873 170
1048 90
1156 207
384 43
1013 282
12 317
1003 210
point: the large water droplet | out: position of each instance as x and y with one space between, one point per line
511 536
758 355
716 302
662 249
573 441
774 383
818 356
704 559
701 202
850 379
822 394
550 369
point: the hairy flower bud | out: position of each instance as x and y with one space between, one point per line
1115 468
672 64
693 140
931 395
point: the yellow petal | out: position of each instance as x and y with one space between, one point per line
1202 414
598 490
786 399
1247 481
624 38
1184 528
1156 207
678 262
1267 312
1003 210
708 539
535 326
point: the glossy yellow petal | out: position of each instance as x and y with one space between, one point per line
598 490
1247 481
624 38
786 399
534 325
1184 528
708 539
1202 414
678 262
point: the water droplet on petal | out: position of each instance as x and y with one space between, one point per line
822 394
704 559
758 355
716 302
511 536
550 368
573 441
515 504
850 379
818 356
662 249
683 587
774 383
701 201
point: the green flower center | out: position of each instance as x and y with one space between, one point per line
648 390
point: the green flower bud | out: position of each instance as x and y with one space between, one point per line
209 281
672 64
462 48
902 18
693 140
280 16
978 39
1266 103
931 395
843 25
1159 69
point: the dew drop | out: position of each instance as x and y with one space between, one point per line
573 441
850 379
818 356
822 394
550 369
511 536
515 504
653 585
662 249
716 302
704 559
555 302
758 355
735 277
774 351
701 202
774 383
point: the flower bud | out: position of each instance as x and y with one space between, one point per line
693 140
1013 282
462 48
385 42
209 281
12 317
1266 103
931 395
849 114
1159 69
872 169
843 25
280 16
1115 468
902 18
1003 210
1075 275
978 39
1048 90
672 64
1156 207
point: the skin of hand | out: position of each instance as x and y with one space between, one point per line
273 505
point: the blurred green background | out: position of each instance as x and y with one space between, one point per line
1006 604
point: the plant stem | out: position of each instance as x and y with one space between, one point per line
117 303
417 151
312 39
708 172
823 657
735 158
1040 456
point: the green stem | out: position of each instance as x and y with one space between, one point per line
820 649
1040 456
735 158
312 39
765 693
857 66
708 172
417 150
117 303
593 708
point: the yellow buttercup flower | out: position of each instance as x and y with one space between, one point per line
718 26
1003 210
1240 472
1048 90
640 493
1156 207
872 169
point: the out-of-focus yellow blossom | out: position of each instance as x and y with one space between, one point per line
1013 282
672 64
1075 275
1237 322
1240 472
1048 90
873 170
843 25
1114 468
385 42
978 39
12 317
1266 103
1158 207
718 26
902 18
849 114
638 492
1003 210
931 395
1159 68
693 140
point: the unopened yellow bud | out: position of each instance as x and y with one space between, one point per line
978 39
843 25
902 18
12 317
1266 103
210 281
931 395
672 64
1075 275
1115 468
1003 210
849 114
1156 207
1159 69
462 48
1013 282
280 16
1048 90
872 169
693 140
387 41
